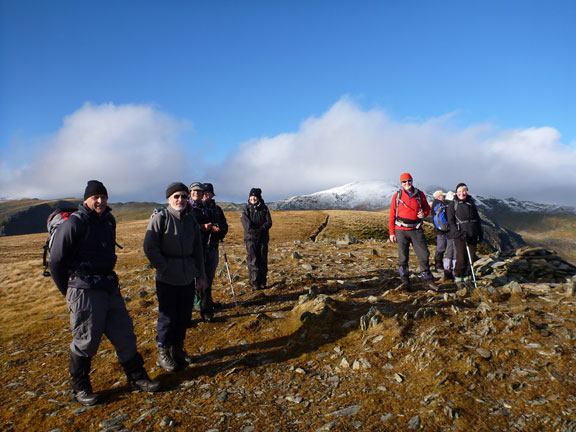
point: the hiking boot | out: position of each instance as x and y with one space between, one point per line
429 284
461 284
218 306
86 397
165 360
139 381
405 284
80 380
448 276
180 357
207 317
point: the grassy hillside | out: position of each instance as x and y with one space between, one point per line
289 361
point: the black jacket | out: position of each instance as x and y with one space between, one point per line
202 216
256 221
83 251
464 220
216 216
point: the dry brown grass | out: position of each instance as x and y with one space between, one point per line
267 353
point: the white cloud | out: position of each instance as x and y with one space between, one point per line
347 144
133 149
136 151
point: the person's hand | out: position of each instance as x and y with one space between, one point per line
420 214
208 227
215 228
200 284
392 238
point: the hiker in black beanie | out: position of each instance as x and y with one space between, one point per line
256 221
82 260
173 246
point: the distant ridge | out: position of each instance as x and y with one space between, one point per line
377 194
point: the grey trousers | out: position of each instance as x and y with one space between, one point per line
94 313
418 240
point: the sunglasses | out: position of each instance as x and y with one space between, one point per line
406 181
180 197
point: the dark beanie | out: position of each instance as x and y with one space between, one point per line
460 185
94 187
175 187
257 192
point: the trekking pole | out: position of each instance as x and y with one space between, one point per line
229 276
471 266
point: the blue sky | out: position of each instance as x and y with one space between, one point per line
293 97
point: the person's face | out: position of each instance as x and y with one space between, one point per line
97 203
207 196
196 195
462 192
253 199
178 200
407 185
441 197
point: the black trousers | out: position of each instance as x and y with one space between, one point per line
257 263
211 259
462 267
175 305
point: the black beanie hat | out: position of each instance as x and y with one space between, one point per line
175 187
94 187
208 187
460 185
257 192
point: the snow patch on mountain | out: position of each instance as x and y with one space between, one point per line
377 194
358 195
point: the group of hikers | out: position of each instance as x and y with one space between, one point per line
182 244
458 232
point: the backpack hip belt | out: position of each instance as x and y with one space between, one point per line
460 222
78 274
408 225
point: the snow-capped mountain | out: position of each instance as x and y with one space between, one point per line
362 195
377 194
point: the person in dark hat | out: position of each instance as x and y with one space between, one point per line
214 237
203 299
174 248
466 230
82 261
407 212
256 221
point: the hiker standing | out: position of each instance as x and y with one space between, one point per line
449 260
466 229
202 216
82 261
173 246
256 221
215 236
442 228
407 212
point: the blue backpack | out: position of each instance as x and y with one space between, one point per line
440 219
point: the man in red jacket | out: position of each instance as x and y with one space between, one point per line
407 214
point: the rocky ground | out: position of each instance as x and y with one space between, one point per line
331 345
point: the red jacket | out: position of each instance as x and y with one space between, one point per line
407 211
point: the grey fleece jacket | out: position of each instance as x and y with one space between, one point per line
176 253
